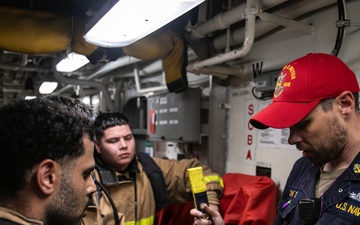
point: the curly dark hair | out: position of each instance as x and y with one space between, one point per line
72 103
38 129
105 120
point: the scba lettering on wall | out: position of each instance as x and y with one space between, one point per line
249 139
250 132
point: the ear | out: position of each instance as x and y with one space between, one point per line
48 175
346 102
97 146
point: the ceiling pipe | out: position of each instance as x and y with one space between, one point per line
89 83
124 61
145 90
23 68
225 19
262 27
151 69
296 9
108 67
219 71
121 62
251 11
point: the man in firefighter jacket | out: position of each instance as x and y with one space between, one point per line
128 195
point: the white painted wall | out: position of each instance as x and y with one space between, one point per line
275 51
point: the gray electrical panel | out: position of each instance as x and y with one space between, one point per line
175 117
265 82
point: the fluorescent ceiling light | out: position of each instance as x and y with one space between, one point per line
71 63
48 87
127 21
29 97
86 100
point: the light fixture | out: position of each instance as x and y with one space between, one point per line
71 63
47 87
29 97
120 23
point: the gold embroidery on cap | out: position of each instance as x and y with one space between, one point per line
280 83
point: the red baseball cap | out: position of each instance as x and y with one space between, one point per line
301 85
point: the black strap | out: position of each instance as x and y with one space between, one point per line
116 215
156 178
7 222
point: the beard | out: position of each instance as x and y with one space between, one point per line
65 209
331 146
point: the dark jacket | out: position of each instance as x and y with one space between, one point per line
340 204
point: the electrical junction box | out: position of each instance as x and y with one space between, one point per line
265 82
175 117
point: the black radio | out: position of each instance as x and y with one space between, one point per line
309 210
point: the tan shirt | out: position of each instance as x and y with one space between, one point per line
325 181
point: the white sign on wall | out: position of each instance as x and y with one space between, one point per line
273 138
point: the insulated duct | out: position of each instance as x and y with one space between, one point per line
35 32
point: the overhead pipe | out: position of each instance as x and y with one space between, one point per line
225 19
251 11
23 68
124 61
146 90
89 83
298 8
261 28
150 69
218 71
127 60
108 67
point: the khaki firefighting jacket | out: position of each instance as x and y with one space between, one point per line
135 202
17 218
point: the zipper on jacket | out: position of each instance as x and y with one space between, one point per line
133 179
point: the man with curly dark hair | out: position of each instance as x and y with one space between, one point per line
46 148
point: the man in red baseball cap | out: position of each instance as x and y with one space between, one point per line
316 97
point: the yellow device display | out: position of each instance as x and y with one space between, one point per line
198 188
